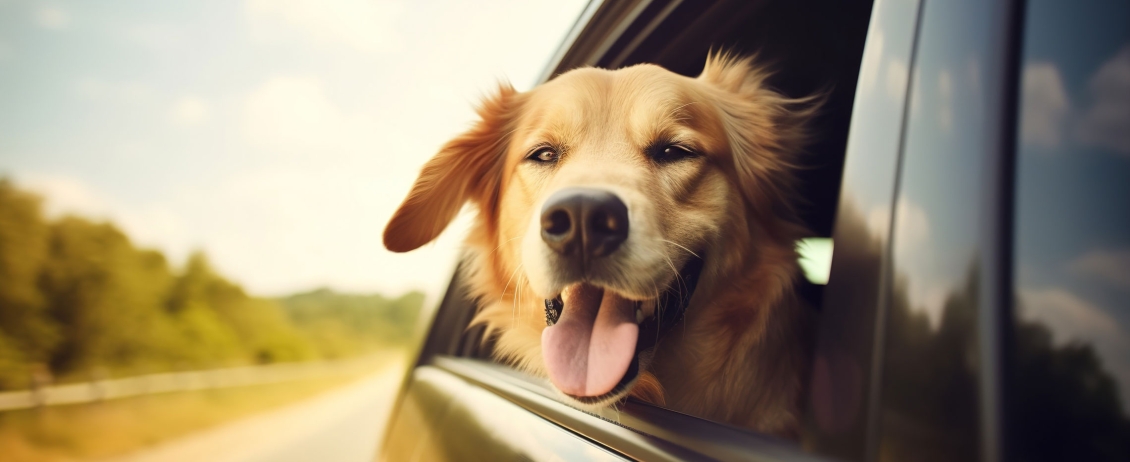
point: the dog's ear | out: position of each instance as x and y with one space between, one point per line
766 130
467 168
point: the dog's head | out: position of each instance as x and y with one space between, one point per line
598 192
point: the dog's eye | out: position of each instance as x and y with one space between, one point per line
671 153
544 155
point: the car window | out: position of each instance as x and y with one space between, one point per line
930 396
810 53
1070 384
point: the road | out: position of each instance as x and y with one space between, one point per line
341 425
86 392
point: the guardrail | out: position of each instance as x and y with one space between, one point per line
150 384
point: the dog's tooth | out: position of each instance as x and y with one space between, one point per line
553 308
639 315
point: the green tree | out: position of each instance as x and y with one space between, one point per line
27 333
346 324
256 327
105 295
79 297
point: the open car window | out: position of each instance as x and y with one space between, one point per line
810 54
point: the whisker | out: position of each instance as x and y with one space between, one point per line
678 277
507 286
503 296
676 244
658 293
521 286
658 302
502 244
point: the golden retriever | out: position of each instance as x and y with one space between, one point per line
635 236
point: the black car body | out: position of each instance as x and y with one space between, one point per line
973 171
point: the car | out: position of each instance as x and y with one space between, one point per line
971 178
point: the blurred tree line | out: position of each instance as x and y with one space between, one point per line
1063 402
77 300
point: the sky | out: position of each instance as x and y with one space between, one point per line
278 136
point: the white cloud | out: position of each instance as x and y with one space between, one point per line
1045 106
66 195
150 226
897 75
1106 123
315 214
926 291
880 71
911 223
934 300
1069 316
156 36
189 110
1047 110
295 115
52 17
1111 266
287 227
879 221
912 227
364 25
113 92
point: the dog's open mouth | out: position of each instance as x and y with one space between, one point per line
592 344
591 347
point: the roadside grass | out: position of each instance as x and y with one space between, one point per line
115 427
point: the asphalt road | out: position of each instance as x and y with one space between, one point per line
342 425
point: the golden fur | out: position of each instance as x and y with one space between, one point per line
740 354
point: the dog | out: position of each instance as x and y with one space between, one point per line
635 235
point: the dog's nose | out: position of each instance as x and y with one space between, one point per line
584 222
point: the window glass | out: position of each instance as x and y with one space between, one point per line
1071 353
929 405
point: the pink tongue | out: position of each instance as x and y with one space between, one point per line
590 348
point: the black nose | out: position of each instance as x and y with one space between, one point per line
584 222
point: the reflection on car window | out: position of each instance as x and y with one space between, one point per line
929 407
1071 376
